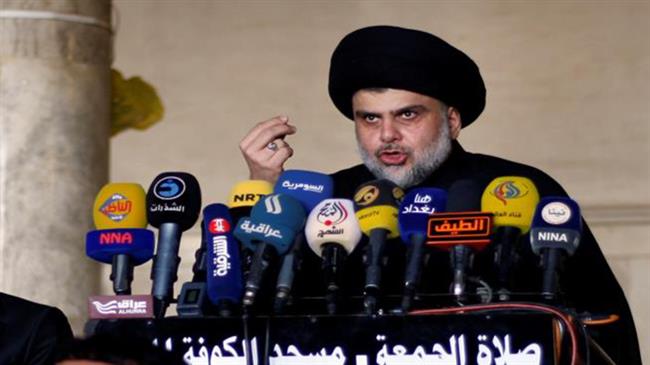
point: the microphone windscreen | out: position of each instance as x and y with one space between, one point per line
415 209
174 197
464 196
274 220
309 187
138 243
512 200
332 221
557 224
224 275
244 195
120 205
376 205
463 223
247 193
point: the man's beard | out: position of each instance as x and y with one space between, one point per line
424 163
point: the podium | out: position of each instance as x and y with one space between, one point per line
519 333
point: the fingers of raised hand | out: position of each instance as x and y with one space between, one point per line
265 132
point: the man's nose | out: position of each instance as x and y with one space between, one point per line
389 131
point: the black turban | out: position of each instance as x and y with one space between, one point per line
406 59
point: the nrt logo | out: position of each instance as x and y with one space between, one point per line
219 226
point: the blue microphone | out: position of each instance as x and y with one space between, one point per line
224 275
269 231
309 188
413 219
554 234
137 243
123 248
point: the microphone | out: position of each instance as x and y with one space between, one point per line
555 233
269 231
376 209
512 200
224 276
412 220
121 238
309 188
244 195
461 230
240 201
123 248
332 232
173 204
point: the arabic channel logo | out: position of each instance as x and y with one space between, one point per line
124 306
272 204
556 213
170 187
117 207
508 190
366 195
332 213
219 226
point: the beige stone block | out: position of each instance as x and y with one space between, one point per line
623 240
54 129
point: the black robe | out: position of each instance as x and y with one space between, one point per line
587 283
30 333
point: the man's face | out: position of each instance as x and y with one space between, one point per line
403 136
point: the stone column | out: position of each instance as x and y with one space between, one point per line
54 137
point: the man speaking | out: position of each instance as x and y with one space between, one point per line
409 94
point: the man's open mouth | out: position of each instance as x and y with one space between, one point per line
392 157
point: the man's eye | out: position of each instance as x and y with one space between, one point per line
408 114
371 118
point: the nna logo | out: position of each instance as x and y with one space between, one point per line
556 213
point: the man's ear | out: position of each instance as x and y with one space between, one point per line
455 122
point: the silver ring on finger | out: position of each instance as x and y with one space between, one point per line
272 146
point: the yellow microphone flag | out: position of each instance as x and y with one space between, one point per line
247 193
513 200
120 205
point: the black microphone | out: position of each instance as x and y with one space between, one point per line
554 234
199 268
193 299
173 204
462 230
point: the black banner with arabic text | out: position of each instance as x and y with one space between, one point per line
454 339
